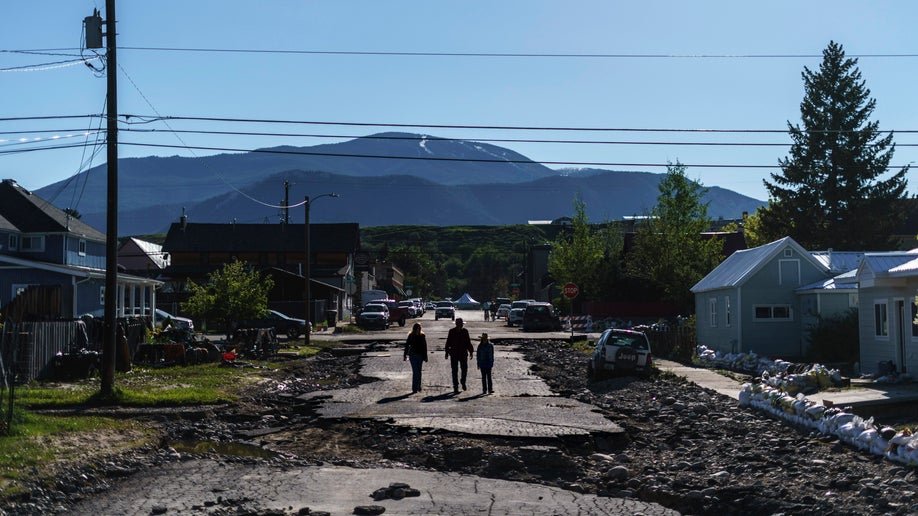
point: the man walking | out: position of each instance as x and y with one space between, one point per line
459 350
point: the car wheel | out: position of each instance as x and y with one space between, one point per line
592 373
401 322
293 333
436 318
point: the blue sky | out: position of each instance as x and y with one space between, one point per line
728 84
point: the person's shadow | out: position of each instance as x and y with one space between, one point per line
470 398
439 397
390 399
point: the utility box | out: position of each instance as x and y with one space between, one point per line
92 26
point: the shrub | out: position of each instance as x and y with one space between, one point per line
835 338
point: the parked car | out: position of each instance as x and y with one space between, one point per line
444 310
283 324
503 310
397 313
430 305
515 316
541 316
411 307
374 315
620 352
161 318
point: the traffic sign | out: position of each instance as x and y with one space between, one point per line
570 290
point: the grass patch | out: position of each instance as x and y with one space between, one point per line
205 384
37 441
584 346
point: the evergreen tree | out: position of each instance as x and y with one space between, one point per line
669 249
830 192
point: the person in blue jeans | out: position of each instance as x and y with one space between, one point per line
416 354
485 363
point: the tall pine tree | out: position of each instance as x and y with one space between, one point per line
831 192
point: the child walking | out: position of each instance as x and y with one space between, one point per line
486 363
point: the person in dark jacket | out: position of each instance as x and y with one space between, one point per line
459 350
485 363
416 354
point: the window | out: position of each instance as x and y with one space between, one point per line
852 300
712 312
33 243
102 295
14 242
82 247
788 252
880 320
772 312
914 315
728 315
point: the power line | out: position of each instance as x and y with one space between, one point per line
148 119
550 55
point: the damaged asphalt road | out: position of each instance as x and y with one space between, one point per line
681 448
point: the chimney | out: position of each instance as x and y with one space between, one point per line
184 219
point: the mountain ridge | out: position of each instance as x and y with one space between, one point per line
391 179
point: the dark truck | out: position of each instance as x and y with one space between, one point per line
397 313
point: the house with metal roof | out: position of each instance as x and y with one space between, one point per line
44 248
762 299
887 284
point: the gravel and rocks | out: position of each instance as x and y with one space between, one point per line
688 448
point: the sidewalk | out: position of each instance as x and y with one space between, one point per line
864 396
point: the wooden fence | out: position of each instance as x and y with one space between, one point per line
29 350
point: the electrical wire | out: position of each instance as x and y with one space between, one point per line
148 119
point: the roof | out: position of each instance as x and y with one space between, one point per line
154 252
893 263
77 271
25 212
739 266
845 281
229 238
839 261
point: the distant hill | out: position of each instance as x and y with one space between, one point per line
393 187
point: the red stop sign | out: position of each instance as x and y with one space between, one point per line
570 290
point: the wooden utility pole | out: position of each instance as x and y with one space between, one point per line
111 231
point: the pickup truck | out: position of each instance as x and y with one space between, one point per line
397 313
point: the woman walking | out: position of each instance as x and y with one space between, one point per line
416 353
486 363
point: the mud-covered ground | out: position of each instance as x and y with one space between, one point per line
688 448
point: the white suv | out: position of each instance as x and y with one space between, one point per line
620 352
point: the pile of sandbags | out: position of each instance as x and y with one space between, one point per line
788 376
899 446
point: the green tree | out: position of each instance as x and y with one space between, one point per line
232 293
669 248
830 191
585 255
754 233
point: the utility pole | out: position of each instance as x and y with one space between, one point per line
306 273
93 25
286 202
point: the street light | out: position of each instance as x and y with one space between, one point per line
306 260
